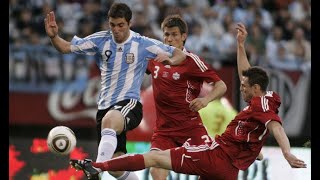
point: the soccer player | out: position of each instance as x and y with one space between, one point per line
236 149
176 90
122 56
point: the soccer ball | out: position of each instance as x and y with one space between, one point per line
61 140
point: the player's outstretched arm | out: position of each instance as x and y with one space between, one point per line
218 90
242 60
177 57
278 132
52 29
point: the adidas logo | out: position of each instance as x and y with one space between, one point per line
117 107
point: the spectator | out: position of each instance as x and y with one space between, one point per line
300 48
281 59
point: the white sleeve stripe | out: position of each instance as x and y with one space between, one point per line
264 104
156 50
187 91
197 60
154 41
157 42
266 124
84 46
269 93
98 34
94 36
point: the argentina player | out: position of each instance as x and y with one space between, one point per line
122 56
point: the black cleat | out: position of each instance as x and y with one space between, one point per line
85 165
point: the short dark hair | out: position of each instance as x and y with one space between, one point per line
175 20
120 10
258 76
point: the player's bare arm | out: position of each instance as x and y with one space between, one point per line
242 60
218 90
52 30
176 59
279 134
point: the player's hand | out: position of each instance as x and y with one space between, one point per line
198 103
163 58
294 161
242 33
260 157
51 25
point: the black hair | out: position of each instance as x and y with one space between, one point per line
120 10
258 76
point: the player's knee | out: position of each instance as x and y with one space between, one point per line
159 174
113 120
152 158
116 174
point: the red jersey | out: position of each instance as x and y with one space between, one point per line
246 134
174 87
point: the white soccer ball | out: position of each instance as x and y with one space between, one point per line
61 140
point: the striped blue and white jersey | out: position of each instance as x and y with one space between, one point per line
122 66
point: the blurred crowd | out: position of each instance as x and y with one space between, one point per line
279 33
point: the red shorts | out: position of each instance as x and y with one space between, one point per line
195 136
207 163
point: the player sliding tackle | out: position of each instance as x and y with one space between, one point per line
223 156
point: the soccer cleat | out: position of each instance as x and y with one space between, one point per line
85 165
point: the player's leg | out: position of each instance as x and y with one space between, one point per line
124 175
199 136
122 150
131 111
161 142
121 117
111 125
209 162
159 173
110 147
108 122
158 159
134 162
195 136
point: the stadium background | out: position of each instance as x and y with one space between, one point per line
47 88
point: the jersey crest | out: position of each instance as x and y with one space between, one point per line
129 58
176 76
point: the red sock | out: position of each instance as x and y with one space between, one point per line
122 163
